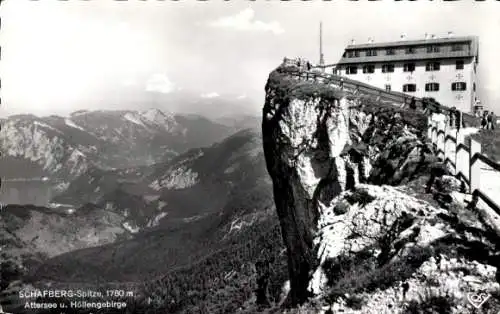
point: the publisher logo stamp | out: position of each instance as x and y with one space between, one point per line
477 299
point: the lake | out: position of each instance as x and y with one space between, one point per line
26 191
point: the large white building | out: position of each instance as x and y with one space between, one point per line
441 68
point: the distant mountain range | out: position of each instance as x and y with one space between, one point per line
64 148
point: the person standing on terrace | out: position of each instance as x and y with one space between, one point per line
483 120
413 103
454 117
491 121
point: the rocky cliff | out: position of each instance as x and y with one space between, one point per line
303 138
327 152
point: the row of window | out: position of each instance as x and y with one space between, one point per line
392 51
407 67
431 87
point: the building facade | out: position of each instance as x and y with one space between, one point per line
441 68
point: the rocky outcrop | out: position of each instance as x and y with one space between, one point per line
389 250
313 148
323 148
303 138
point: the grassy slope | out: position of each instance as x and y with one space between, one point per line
490 142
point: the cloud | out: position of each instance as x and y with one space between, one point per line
244 21
130 82
159 83
210 95
241 97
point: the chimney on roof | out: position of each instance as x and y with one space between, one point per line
353 42
450 34
427 36
403 36
433 36
370 40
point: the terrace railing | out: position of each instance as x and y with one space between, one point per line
480 173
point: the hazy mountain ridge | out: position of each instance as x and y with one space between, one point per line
65 147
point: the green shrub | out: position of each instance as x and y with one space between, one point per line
360 196
431 301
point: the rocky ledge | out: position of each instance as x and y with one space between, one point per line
353 244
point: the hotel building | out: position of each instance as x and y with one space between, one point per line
441 68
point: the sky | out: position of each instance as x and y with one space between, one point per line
62 56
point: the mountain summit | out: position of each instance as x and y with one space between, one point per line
351 244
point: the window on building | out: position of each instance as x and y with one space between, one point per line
474 86
433 48
458 86
432 66
352 69
459 65
409 67
371 52
432 87
410 50
457 47
386 68
353 54
390 52
387 88
369 68
409 88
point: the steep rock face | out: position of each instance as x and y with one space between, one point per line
303 138
36 141
398 150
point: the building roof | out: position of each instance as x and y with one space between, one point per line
423 55
407 57
406 43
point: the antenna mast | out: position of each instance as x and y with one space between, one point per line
321 59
